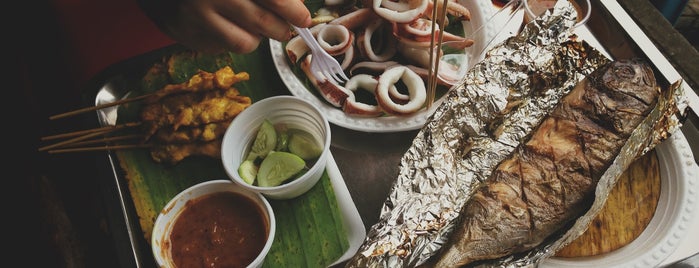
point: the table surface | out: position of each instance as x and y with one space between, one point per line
64 215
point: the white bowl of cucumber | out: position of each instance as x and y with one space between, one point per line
277 147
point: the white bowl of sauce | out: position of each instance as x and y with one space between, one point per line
214 224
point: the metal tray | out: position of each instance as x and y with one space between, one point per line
377 153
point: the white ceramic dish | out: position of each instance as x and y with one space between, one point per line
385 123
675 213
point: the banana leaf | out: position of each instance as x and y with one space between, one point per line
310 230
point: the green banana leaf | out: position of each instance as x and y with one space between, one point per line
310 230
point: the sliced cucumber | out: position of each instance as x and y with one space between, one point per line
304 145
282 141
278 167
265 141
248 171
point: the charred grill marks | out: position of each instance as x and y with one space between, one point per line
550 179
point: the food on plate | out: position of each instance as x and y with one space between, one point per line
212 102
278 154
265 141
190 118
550 179
222 229
173 153
370 39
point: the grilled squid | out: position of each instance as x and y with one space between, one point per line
331 92
376 42
414 84
402 11
352 106
296 48
334 39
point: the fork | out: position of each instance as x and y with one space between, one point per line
321 61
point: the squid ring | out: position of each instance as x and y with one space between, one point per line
416 91
352 106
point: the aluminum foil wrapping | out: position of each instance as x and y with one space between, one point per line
472 131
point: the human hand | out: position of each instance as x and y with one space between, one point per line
226 25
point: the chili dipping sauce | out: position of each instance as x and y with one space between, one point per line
222 229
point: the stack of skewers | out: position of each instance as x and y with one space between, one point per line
176 121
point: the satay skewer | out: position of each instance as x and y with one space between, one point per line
101 106
106 140
88 131
438 23
202 81
84 135
101 148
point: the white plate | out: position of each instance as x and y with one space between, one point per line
479 11
673 216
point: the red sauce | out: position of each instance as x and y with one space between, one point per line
218 230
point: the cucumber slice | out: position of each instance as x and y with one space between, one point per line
303 144
282 141
248 171
265 141
278 167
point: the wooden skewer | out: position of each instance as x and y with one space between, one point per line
438 17
90 134
97 107
88 131
106 140
100 148
66 142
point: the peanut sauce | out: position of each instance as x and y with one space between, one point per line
218 230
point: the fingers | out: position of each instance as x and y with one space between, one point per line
235 25
236 38
262 18
294 11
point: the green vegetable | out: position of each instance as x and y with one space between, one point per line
265 141
304 145
278 167
248 171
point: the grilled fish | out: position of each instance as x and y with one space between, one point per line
550 179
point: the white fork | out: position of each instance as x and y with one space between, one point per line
321 61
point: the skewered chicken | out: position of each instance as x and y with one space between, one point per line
193 109
202 81
202 133
175 152
190 118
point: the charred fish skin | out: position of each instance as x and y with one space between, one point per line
550 179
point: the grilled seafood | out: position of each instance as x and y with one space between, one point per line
550 179
379 31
